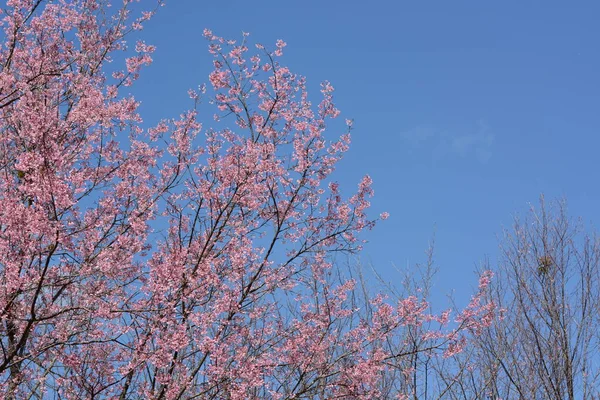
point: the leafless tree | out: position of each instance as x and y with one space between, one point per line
547 344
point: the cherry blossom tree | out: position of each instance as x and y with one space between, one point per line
183 260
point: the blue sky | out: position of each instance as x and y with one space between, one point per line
464 111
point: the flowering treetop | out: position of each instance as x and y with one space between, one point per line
239 296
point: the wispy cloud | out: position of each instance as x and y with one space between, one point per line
419 134
476 142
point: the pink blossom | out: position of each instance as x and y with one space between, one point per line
182 261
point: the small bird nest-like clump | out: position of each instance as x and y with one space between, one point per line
544 264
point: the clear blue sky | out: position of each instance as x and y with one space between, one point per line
465 111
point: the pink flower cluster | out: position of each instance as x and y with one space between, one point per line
183 260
